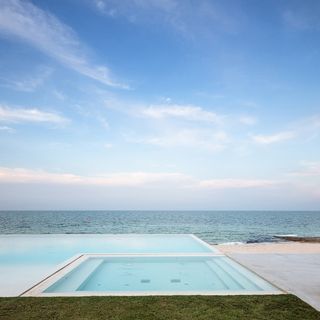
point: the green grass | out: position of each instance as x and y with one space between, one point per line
278 307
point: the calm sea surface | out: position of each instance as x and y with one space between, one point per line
212 226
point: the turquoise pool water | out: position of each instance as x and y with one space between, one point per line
206 274
27 259
57 248
120 264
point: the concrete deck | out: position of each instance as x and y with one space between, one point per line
296 273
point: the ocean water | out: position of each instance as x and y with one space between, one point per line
211 226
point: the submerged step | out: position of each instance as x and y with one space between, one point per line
244 280
224 279
74 279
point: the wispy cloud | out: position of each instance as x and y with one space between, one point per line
273 138
178 125
308 169
189 138
135 10
59 95
128 179
7 129
237 183
123 179
186 112
108 145
181 16
30 83
113 8
104 122
305 129
310 126
248 120
157 111
17 115
41 29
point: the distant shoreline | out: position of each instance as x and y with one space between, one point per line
300 239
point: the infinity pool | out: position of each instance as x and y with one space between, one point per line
133 264
96 275
27 259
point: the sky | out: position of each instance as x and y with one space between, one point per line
160 104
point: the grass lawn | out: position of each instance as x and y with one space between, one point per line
278 307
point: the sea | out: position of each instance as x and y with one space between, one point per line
212 226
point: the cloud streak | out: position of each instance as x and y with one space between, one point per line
189 138
6 129
128 179
306 129
181 16
29 84
18 115
248 120
273 138
186 112
236 183
45 32
309 169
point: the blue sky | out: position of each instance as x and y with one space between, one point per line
159 104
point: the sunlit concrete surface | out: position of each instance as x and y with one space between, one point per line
298 274
16 279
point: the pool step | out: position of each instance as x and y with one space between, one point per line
256 281
74 279
238 276
224 279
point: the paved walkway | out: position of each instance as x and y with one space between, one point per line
298 274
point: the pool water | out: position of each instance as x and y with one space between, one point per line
59 247
27 259
159 274
119 265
